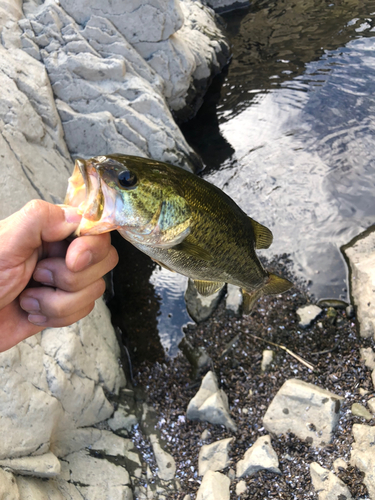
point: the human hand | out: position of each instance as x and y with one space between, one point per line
45 281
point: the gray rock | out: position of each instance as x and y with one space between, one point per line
210 404
214 486
214 456
360 254
306 410
233 299
363 454
327 485
307 314
46 465
267 358
368 356
261 456
165 461
122 419
198 306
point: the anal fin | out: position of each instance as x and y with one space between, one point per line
206 288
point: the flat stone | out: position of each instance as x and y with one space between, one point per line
214 486
363 454
46 465
165 461
214 456
267 358
261 456
210 404
360 411
327 485
122 419
368 357
360 254
307 314
306 410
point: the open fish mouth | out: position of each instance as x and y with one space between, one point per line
94 201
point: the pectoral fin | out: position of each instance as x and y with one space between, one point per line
194 250
208 287
263 236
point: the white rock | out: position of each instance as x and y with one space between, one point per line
233 299
360 254
241 487
214 486
267 358
165 461
327 485
368 356
210 404
363 454
214 456
371 404
307 314
306 410
122 419
261 456
8 486
46 465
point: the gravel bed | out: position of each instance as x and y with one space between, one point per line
333 349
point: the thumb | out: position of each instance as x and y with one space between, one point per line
24 231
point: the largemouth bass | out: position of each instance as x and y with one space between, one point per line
181 221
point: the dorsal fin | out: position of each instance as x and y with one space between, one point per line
263 236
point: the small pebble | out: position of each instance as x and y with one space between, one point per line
232 474
360 411
349 311
339 463
241 487
363 391
205 435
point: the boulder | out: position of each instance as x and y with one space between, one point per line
327 485
210 404
308 411
214 486
261 456
360 255
214 456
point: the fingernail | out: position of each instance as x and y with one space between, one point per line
30 305
71 215
36 319
83 260
44 276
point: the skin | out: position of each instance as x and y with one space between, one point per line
45 280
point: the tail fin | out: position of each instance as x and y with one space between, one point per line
274 285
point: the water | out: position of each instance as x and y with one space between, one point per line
288 133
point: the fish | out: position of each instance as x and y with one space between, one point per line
184 223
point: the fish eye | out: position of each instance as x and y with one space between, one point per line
127 179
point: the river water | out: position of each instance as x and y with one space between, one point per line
288 131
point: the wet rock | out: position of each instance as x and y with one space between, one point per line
307 314
46 465
226 5
122 419
368 356
198 306
261 456
267 358
360 254
197 357
233 299
165 461
363 454
360 411
331 315
214 456
214 486
335 303
210 404
327 485
306 410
